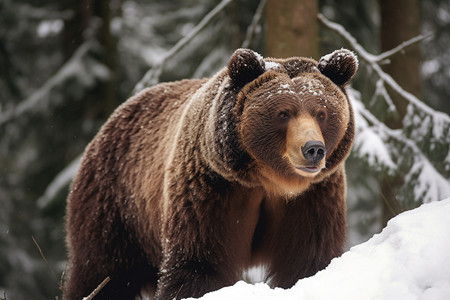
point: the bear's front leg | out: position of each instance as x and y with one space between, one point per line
311 232
196 239
184 278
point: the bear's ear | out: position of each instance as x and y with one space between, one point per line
340 66
244 66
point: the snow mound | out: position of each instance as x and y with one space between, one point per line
409 259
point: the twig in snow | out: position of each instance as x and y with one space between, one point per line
255 21
97 289
152 76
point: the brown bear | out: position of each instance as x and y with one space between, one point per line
190 183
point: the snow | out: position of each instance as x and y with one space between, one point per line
338 55
49 27
271 65
381 92
368 141
409 259
371 147
429 183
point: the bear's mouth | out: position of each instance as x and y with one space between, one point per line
311 169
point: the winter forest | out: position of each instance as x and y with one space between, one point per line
66 65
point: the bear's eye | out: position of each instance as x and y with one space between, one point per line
283 115
321 116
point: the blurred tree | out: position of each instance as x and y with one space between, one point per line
292 28
52 97
400 21
436 57
91 19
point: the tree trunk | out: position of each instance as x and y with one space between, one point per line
81 26
400 21
292 28
75 26
103 11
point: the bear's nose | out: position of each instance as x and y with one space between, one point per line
314 151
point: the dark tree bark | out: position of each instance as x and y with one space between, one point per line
91 20
292 28
400 21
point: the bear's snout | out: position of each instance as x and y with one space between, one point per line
314 151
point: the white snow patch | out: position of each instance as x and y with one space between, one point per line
49 27
368 142
372 147
270 65
430 67
259 56
338 55
430 184
409 259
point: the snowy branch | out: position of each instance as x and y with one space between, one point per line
373 61
380 90
389 132
402 46
438 123
255 21
80 66
431 184
152 76
420 175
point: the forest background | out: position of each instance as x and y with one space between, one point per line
65 65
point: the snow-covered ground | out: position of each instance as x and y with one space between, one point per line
409 259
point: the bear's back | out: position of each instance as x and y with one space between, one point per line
125 160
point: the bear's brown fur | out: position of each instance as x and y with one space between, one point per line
189 183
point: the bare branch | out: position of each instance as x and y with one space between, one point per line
97 289
43 257
152 76
255 21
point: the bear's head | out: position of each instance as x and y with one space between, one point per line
293 116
